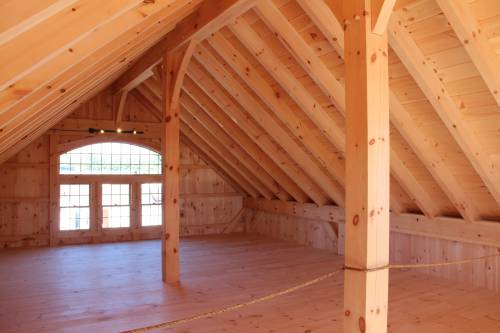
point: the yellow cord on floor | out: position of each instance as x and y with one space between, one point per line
212 313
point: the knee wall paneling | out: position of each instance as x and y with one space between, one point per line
404 248
304 231
417 249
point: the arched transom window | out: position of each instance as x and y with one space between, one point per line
111 158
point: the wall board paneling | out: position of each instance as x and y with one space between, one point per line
208 202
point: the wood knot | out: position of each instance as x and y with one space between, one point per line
346 24
362 324
347 313
355 219
372 142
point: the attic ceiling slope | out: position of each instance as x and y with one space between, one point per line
263 96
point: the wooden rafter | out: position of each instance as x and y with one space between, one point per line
437 94
257 173
411 186
151 96
65 102
242 138
217 158
208 130
319 12
23 18
235 89
147 104
316 69
65 88
403 121
431 159
90 43
258 190
210 87
47 124
331 161
210 17
212 164
332 88
153 85
475 43
281 74
91 14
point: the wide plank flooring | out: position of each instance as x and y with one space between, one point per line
117 287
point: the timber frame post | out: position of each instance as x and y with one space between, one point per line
53 189
174 69
367 171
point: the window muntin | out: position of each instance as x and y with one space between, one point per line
115 205
111 158
74 203
151 204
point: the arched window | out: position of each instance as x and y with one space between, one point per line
109 185
111 158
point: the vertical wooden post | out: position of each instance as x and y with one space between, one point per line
174 69
367 172
170 156
53 189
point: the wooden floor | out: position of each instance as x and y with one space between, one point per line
114 287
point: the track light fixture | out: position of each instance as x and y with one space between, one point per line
118 130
